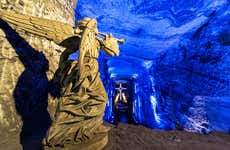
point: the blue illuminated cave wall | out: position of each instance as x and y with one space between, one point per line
177 53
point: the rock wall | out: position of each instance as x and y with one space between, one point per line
27 62
187 42
194 75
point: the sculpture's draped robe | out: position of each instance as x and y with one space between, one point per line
82 102
83 97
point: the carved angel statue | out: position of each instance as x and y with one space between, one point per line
83 96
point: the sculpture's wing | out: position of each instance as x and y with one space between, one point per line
50 29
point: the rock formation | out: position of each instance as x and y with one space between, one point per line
176 54
24 59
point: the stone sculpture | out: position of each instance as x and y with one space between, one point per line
82 95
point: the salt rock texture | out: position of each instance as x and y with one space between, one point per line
27 63
176 54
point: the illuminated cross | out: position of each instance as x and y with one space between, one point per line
120 90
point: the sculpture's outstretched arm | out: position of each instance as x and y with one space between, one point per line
110 45
50 29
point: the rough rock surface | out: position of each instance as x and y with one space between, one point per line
140 138
27 63
174 52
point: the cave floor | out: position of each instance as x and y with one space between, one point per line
133 137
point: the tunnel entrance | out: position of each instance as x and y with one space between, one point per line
122 102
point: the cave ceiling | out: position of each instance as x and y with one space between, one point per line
149 27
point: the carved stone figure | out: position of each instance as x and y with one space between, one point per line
82 95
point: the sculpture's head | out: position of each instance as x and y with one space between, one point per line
88 23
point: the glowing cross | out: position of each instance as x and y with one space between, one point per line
120 89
